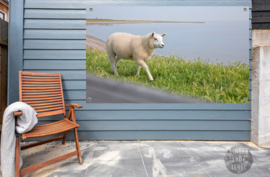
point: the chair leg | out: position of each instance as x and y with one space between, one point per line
77 145
17 161
64 138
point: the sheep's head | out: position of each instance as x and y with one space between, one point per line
157 40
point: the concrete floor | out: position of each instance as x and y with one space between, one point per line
144 158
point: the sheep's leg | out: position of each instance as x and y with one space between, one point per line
144 65
112 58
113 67
138 70
116 61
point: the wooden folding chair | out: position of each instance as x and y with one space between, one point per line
44 92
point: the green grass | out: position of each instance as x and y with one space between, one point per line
199 78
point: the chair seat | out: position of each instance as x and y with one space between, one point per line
50 129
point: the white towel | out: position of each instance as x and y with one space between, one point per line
26 122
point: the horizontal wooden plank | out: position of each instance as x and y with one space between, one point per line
81 4
261 19
163 135
54 14
161 125
54 64
162 106
54 34
74 85
66 75
156 115
54 24
260 5
260 14
74 95
261 26
55 54
157 135
260 9
54 44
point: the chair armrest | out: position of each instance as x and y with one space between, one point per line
74 105
71 112
18 113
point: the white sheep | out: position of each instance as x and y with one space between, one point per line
131 47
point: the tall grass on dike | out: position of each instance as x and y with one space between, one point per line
200 78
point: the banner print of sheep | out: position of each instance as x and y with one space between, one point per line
165 54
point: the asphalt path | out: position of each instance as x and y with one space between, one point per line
93 43
102 90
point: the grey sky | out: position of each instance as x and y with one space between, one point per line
169 13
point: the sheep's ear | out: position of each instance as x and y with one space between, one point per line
163 34
153 33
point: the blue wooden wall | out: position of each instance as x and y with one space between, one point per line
49 36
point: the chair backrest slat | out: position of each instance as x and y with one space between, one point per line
42 91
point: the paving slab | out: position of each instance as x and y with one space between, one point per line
165 151
118 168
87 151
184 167
210 156
69 170
117 150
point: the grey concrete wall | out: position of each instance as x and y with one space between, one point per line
260 105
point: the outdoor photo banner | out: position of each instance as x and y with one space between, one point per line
167 54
